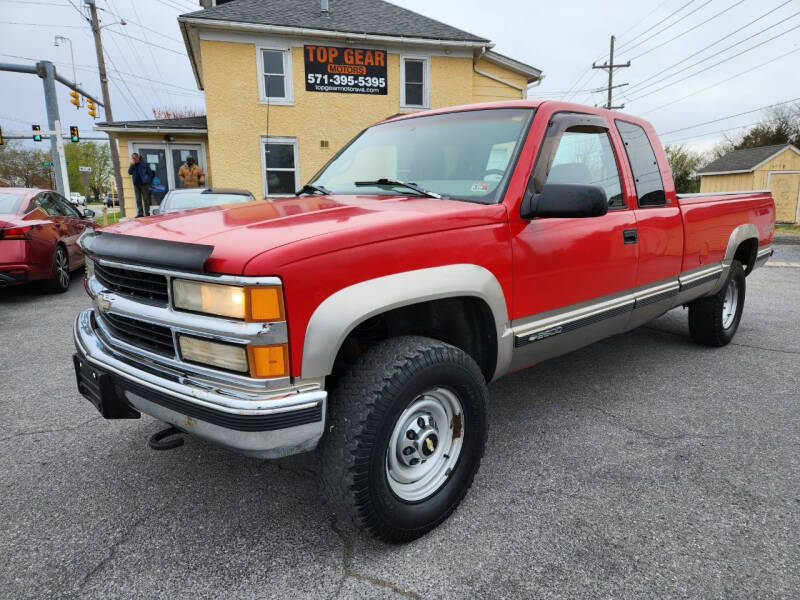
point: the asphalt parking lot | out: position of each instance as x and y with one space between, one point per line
643 466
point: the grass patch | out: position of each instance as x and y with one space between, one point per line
112 218
793 229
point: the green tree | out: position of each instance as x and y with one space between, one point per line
22 167
95 155
684 163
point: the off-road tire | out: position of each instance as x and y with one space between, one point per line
61 273
363 410
706 318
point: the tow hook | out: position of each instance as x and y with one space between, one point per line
160 441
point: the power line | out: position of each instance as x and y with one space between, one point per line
712 44
689 14
747 112
708 87
672 39
125 84
691 137
716 64
636 37
115 32
41 25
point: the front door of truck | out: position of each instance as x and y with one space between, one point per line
573 277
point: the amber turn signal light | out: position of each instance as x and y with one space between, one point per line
264 304
269 361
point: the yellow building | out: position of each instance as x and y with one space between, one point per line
288 82
773 168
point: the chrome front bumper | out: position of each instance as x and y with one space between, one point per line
271 425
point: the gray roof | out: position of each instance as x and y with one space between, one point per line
181 123
743 160
374 17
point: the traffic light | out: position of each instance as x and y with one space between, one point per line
91 108
76 99
73 134
37 137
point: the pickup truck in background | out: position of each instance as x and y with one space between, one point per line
365 317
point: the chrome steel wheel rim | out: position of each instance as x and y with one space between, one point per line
425 445
62 268
730 304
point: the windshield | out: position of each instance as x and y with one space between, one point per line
9 203
199 199
463 155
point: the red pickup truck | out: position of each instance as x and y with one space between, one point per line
433 254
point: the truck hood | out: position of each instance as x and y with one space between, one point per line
240 232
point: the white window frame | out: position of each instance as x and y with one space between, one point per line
264 140
426 82
288 78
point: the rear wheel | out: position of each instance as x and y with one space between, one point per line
405 435
61 274
713 321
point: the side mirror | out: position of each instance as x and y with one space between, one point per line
88 213
155 210
567 201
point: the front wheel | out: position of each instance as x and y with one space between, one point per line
406 431
713 321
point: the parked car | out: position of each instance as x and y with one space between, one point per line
187 198
436 253
77 199
111 199
38 234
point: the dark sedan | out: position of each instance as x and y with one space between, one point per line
38 234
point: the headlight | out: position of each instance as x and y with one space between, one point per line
225 356
259 361
237 302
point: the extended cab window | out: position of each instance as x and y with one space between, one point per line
587 158
646 174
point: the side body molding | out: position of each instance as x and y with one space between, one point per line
342 311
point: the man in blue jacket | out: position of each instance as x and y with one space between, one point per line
142 177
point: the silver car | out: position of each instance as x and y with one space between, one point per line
187 198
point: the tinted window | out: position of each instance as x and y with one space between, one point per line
587 158
65 207
649 186
9 203
45 202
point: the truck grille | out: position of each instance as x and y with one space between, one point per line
148 286
148 336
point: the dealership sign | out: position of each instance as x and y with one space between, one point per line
345 70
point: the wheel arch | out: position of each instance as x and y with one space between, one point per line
336 318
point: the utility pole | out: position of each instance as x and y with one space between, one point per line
47 72
101 66
610 66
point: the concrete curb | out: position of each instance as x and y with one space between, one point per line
787 238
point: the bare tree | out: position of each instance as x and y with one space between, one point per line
177 112
24 167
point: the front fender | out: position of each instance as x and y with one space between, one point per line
342 311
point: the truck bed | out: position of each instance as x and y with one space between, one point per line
709 219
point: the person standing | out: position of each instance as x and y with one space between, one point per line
142 176
191 175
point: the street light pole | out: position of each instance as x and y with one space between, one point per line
101 67
62 38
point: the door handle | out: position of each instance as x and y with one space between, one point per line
630 236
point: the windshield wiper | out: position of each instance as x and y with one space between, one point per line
397 183
313 189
